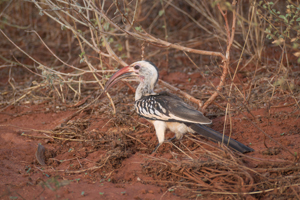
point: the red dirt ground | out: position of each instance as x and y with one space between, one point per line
23 127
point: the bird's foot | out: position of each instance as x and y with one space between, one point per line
159 144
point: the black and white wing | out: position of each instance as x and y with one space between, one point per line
167 107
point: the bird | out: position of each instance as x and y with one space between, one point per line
167 111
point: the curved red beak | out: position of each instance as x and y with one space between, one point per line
122 73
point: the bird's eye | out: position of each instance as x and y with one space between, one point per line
136 67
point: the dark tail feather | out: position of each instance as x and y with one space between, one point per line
218 137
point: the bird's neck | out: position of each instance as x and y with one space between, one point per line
144 90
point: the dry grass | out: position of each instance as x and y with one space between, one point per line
68 50
214 173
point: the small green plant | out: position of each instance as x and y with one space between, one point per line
283 27
28 169
54 183
77 180
81 57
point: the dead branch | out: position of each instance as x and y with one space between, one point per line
225 61
186 95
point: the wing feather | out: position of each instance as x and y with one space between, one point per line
167 107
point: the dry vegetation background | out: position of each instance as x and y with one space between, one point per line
63 51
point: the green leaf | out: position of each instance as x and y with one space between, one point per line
110 40
138 28
77 179
123 56
80 55
228 5
295 45
28 170
161 12
101 193
120 47
283 17
106 26
298 19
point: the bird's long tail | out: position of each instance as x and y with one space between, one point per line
218 137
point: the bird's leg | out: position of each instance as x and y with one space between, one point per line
157 146
170 140
178 136
160 128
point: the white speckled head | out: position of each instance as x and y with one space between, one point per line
148 75
146 70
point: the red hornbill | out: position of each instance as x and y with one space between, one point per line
167 111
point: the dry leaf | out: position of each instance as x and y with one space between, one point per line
293 39
279 41
297 54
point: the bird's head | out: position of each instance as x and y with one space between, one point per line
145 71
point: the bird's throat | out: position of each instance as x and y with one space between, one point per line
143 90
